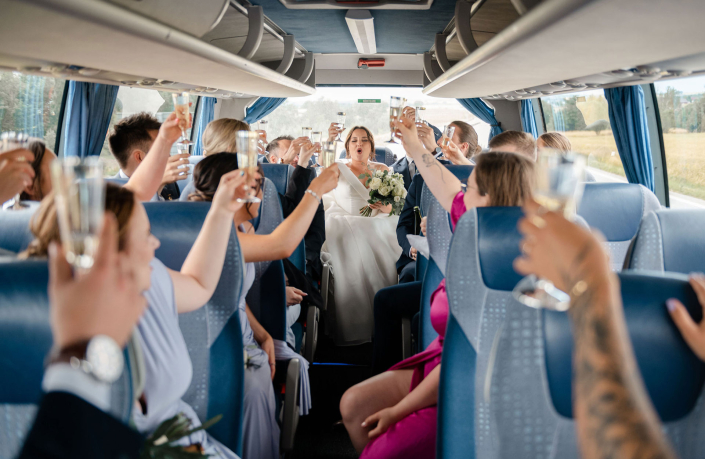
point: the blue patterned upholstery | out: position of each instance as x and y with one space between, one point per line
279 174
26 341
461 173
212 333
15 235
616 209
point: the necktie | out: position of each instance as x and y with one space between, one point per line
412 169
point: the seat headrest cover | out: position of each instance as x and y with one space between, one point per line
498 245
616 209
278 174
176 225
673 375
461 172
439 232
682 239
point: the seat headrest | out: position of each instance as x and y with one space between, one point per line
176 225
15 235
673 375
461 172
683 243
279 175
24 327
498 245
270 210
616 209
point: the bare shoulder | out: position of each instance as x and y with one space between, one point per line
378 166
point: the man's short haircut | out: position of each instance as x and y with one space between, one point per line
274 144
522 141
132 133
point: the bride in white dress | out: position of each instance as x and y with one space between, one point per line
363 250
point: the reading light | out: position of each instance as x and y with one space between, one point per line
362 28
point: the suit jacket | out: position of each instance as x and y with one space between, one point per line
67 426
171 192
316 234
406 218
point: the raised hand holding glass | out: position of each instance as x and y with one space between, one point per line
12 141
247 142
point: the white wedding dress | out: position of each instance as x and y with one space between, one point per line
363 252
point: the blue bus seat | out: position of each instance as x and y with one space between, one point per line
382 155
671 241
193 160
672 374
616 209
15 235
26 341
212 333
267 301
461 173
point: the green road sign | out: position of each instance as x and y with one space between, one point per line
369 101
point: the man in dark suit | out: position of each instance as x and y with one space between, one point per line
428 135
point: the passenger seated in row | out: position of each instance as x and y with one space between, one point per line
557 141
394 414
169 293
41 184
261 431
219 135
277 148
515 142
130 140
463 146
16 173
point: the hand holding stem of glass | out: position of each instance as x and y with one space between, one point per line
448 132
560 179
181 108
327 157
12 141
79 194
341 125
246 143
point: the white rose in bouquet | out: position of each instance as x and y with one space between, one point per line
384 191
375 183
397 198
386 188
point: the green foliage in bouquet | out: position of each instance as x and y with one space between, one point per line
160 445
385 188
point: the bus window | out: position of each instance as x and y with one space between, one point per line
682 107
365 106
584 119
135 100
31 104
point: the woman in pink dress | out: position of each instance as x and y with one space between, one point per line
393 415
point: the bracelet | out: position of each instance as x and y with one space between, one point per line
313 193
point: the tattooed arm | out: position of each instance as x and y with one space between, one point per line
438 179
614 416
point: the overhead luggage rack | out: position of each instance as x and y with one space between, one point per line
117 42
569 45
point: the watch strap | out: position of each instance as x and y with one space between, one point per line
67 353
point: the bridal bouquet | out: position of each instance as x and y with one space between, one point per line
386 188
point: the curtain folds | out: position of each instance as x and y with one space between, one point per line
528 120
205 115
261 108
480 109
627 112
89 107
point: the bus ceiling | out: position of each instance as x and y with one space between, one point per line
495 49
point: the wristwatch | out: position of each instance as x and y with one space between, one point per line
100 357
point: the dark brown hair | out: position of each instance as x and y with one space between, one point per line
45 226
130 134
522 141
38 148
507 177
369 136
467 134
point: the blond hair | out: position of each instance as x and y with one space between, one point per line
219 135
556 141
522 141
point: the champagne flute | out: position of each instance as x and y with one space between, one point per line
12 141
341 125
396 104
262 127
79 194
316 138
328 151
560 179
448 132
420 115
246 142
306 132
181 107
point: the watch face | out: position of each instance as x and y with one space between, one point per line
106 358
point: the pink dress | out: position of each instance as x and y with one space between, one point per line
415 435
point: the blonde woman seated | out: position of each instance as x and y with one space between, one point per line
557 141
362 250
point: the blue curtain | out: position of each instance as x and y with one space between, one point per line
528 120
89 107
631 132
205 116
261 108
480 109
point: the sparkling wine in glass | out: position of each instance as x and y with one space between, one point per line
420 118
328 151
448 132
341 125
560 179
13 141
79 194
316 138
306 132
181 107
262 129
246 142
396 105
